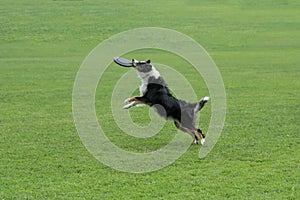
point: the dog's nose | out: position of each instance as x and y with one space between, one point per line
134 61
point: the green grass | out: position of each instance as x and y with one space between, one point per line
256 46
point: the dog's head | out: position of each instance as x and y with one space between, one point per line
142 66
145 69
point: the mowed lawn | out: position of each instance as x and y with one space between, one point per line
256 46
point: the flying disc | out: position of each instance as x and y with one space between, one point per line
123 62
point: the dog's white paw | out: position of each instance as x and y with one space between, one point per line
202 141
126 100
127 106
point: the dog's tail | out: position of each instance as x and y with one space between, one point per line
201 103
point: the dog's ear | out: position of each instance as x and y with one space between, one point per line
148 61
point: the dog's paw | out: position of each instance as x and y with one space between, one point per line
202 141
127 106
195 141
127 100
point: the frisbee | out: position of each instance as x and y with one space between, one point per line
123 62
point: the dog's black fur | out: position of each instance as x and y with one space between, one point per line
158 96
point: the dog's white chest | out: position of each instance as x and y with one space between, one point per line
143 89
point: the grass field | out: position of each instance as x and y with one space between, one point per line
256 46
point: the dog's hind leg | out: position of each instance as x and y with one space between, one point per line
190 132
201 135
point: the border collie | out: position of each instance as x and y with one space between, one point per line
155 93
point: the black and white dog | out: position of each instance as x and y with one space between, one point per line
155 93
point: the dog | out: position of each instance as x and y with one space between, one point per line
155 93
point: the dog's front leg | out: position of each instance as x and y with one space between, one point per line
131 99
133 102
